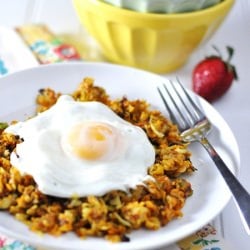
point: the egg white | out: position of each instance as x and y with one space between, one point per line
44 152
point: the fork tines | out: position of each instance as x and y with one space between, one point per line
181 107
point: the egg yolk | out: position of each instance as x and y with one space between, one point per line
92 140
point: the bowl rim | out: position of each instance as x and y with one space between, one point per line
225 4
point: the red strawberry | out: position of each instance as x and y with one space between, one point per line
213 76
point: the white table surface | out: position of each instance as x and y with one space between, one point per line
234 106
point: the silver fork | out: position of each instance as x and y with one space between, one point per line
194 126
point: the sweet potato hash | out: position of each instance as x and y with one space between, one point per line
116 213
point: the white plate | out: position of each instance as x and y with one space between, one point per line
17 95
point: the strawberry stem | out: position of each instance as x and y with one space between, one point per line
230 52
217 50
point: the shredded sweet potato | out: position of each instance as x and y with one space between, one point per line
116 213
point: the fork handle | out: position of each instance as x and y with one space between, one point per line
241 196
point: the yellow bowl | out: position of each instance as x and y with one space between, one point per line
156 42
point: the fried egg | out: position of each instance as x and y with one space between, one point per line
81 148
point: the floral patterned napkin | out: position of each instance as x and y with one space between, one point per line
17 54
